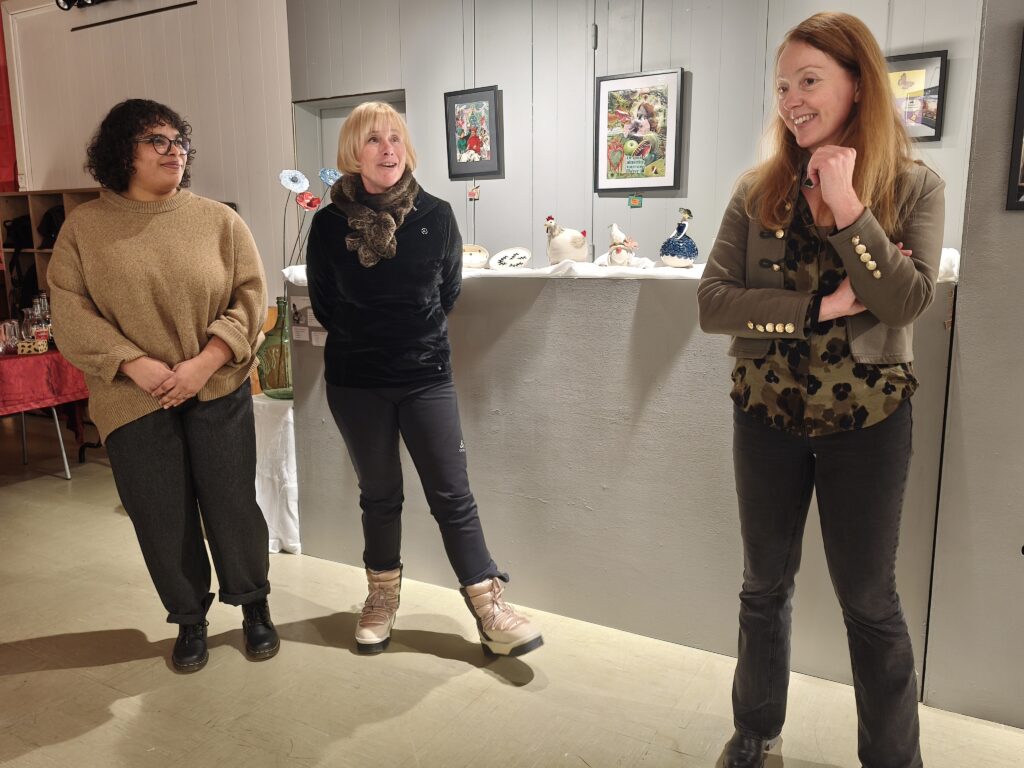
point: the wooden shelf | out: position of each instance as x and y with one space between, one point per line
34 204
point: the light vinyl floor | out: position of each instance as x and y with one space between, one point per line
85 681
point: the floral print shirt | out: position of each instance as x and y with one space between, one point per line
812 387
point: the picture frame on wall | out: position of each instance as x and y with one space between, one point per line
474 133
638 131
918 83
1015 181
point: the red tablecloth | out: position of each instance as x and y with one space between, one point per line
38 381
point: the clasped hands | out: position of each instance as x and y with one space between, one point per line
170 386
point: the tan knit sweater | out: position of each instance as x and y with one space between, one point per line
129 279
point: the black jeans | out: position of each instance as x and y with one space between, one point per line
427 418
859 478
172 466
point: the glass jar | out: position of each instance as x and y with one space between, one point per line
275 356
27 322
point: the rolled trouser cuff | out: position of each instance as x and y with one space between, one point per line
245 598
192 618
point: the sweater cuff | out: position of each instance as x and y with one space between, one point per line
241 349
122 353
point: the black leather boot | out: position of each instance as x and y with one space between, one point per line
261 641
745 751
190 654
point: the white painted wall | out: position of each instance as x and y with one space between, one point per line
222 64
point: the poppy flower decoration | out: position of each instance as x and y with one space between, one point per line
307 201
329 176
294 181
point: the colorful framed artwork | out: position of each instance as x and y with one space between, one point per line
1015 183
918 83
638 131
473 133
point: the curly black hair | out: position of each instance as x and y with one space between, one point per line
111 152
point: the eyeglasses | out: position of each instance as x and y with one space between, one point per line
163 145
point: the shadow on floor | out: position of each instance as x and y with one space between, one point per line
21 660
75 650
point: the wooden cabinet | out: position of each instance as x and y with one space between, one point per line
34 205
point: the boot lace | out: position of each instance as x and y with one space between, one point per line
192 631
503 616
257 613
378 608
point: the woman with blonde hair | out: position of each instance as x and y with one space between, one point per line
826 255
385 268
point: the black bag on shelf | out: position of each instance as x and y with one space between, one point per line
50 225
24 282
18 233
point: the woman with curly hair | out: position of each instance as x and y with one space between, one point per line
158 296
810 276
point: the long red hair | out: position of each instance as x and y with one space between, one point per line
884 151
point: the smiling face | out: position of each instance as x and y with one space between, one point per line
156 177
815 95
382 159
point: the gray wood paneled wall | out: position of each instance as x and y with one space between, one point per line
222 64
975 657
540 54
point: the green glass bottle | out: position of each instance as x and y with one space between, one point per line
275 356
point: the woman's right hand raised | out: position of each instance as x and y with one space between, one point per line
147 372
842 302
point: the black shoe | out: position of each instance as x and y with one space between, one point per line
190 654
746 751
261 641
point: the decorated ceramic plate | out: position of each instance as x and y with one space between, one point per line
510 258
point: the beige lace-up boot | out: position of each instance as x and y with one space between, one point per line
503 632
373 632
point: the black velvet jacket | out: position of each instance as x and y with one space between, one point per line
387 324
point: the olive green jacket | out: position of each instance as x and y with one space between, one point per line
742 294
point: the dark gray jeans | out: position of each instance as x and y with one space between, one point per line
859 478
174 465
427 418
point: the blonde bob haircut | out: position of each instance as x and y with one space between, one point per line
368 117
874 130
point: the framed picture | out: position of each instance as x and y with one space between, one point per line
473 133
918 83
1015 184
638 131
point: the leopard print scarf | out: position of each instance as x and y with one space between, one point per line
374 219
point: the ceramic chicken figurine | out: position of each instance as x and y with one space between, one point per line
621 250
680 250
564 243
